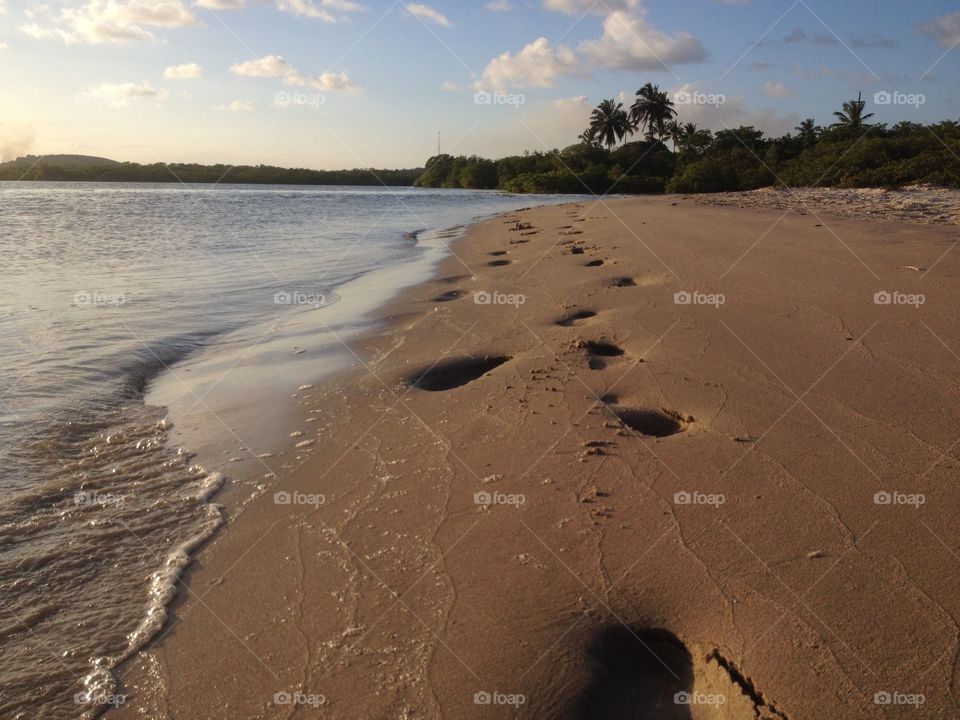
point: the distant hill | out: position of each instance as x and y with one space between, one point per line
63 161
85 168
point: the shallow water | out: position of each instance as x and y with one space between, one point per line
105 287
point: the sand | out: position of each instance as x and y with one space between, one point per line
677 461
924 204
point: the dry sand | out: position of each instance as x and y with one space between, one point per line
923 204
752 500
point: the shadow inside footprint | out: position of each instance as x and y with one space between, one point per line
498 253
448 296
450 374
624 282
575 318
637 673
499 263
594 263
655 423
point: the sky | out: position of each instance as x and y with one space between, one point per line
370 83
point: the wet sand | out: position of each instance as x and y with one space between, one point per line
676 461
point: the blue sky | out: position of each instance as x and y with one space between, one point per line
346 83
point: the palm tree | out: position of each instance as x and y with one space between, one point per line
609 124
852 116
651 111
807 130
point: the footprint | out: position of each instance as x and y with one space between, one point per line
499 263
597 351
448 296
594 263
575 318
624 282
637 672
497 253
450 374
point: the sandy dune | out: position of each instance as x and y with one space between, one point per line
672 461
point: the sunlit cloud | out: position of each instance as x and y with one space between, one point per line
325 10
775 88
122 94
109 21
187 71
235 106
945 30
275 66
539 64
429 14
630 43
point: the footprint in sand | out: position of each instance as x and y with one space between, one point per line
576 318
594 263
658 422
448 296
450 374
624 282
499 263
597 352
643 672
497 253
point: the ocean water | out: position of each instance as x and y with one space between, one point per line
104 289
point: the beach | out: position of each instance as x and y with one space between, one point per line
622 458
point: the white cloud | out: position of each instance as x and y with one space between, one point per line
325 10
188 71
110 21
274 66
3 7
221 4
597 7
775 88
235 106
629 43
4 46
500 6
945 30
730 113
121 94
425 12
539 64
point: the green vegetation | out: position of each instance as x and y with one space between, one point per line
848 153
51 169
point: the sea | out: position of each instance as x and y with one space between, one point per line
108 292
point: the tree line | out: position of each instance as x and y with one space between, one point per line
25 169
849 152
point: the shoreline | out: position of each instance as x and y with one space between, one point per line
401 581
